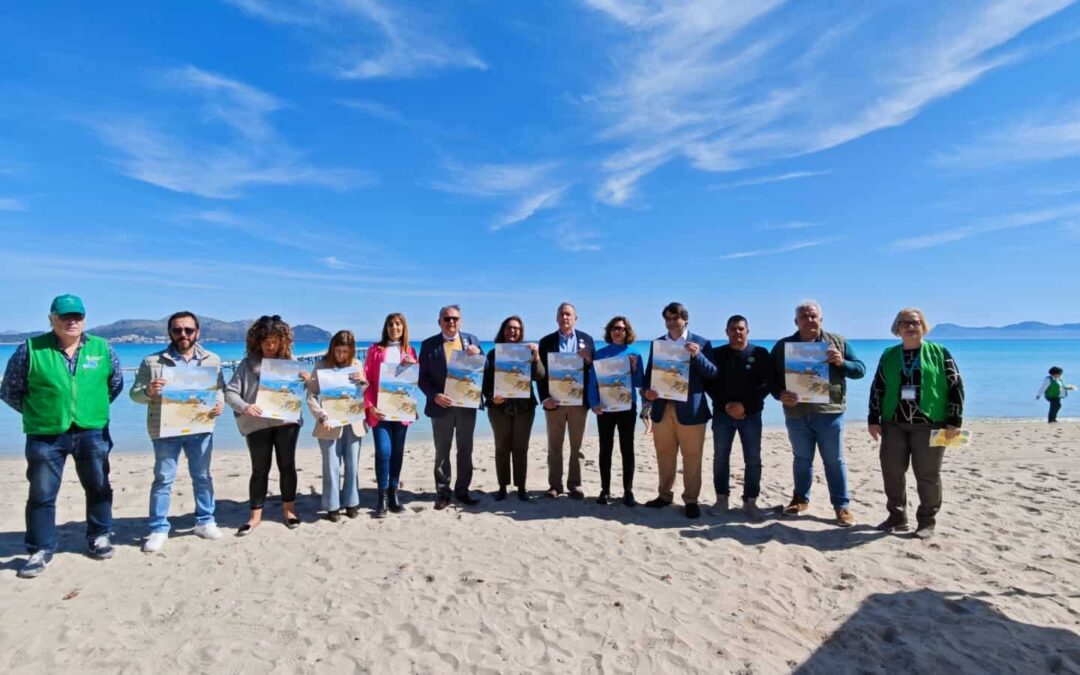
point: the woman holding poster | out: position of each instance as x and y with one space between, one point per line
615 404
511 369
269 338
389 436
334 400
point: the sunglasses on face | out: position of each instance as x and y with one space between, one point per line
72 317
910 324
183 330
451 319
618 329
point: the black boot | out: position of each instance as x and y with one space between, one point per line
380 507
393 503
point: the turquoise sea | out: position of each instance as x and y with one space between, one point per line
1000 378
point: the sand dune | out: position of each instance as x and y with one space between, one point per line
564 586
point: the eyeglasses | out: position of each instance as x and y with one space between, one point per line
618 329
183 330
915 323
451 319
72 317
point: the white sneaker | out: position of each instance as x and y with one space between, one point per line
155 542
751 510
208 531
720 508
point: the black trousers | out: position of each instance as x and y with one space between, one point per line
606 425
263 445
511 433
904 445
1055 406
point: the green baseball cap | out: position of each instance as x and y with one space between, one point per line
67 304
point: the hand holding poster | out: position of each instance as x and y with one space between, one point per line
670 370
464 374
341 398
614 383
398 391
513 370
566 378
806 370
280 390
187 400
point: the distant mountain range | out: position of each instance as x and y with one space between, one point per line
154 330
1025 330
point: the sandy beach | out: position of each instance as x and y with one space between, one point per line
565 586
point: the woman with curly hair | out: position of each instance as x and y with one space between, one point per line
268 338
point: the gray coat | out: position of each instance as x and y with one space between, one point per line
152 368
241 392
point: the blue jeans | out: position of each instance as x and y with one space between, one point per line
389 452
826 432
198 448
344 450
45 458
749 428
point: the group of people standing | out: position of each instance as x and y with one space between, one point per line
62 383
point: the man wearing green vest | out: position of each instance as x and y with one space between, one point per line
818 426
62 383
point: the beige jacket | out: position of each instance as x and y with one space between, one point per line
359 428
151 369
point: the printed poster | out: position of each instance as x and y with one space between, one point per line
566 378
513 370
464 376
341 398
189 395
615 383
280 390
399 391
670 370
938 440
806 370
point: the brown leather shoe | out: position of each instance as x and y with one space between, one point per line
844 518
798 505
441 503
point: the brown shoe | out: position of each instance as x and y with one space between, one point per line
798 505
844 518
441 503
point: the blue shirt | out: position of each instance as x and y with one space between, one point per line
13 389
568 345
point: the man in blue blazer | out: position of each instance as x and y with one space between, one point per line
448 421
679 426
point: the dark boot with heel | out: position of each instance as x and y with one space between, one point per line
392 501
380 506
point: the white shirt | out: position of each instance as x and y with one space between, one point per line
392 353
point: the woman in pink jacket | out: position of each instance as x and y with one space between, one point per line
389 436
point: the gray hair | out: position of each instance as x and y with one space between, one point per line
910 310
444 310
807 304
566 304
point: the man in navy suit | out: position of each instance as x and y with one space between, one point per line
679 426
560 418
448 421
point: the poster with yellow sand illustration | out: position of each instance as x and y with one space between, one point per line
464 375
341 398
806 370
566 378
670 370
614 382
189 396
399 391
280 390
513 370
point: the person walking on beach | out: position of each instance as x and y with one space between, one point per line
447 421
62 383
340 446
818 426
268 338
561 419
184 350
511 418
917 389
389 436
1053 389
619 335
679 426
744 379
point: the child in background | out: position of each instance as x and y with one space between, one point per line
1054 389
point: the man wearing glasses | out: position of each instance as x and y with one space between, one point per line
62 383
448 421
183 351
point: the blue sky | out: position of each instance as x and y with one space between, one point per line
335 160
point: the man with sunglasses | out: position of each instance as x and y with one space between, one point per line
448 422
183 351
62 384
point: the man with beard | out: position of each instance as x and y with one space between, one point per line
183 351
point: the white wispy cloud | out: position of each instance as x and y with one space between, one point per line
375 109
369 39
745 83
791 225
333 263
530 188
764 180
12 204
178 159
797 246
575 238
1063 215
1041 137
528 206
317 240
